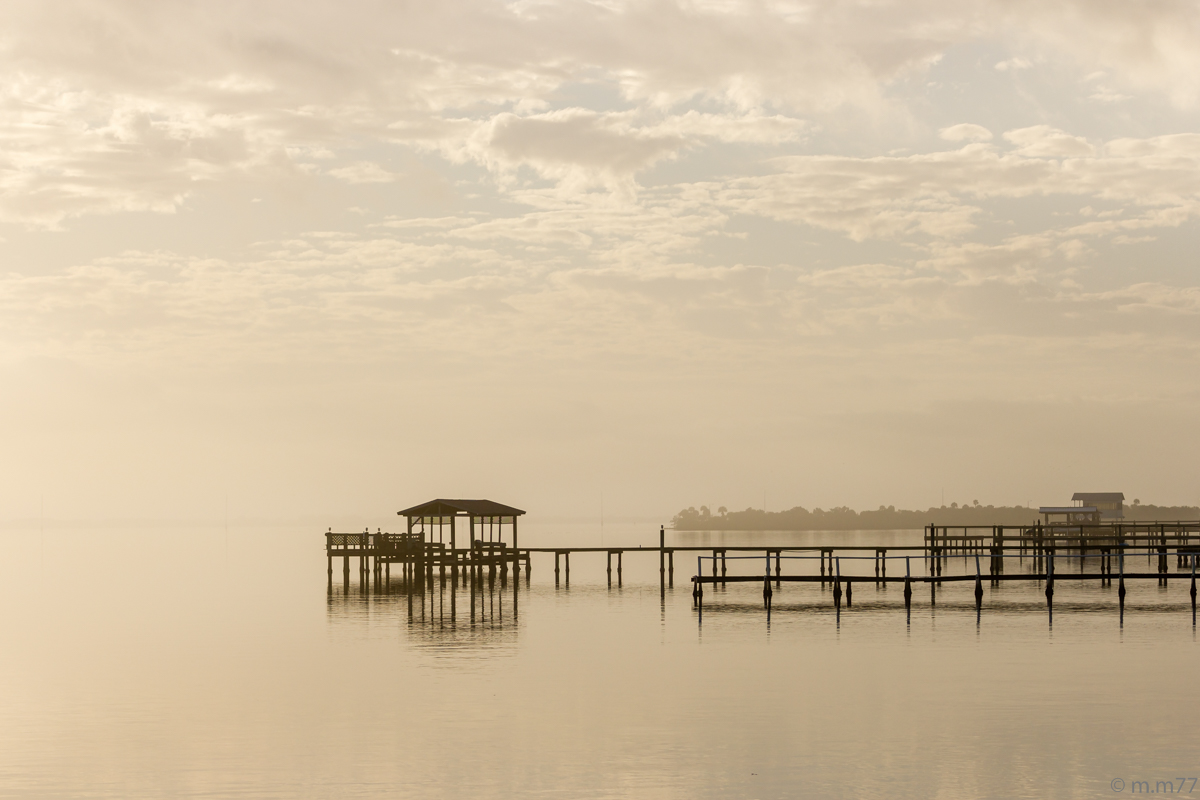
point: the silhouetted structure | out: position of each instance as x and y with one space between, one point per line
1070 515
1084 540
1111 505
420 556
485 516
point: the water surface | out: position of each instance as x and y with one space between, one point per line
195 663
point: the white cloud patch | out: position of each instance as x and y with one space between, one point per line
1045 141
1013 64
574 139
965 132
364 172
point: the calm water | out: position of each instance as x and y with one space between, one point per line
184 663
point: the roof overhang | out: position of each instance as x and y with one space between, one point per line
461 508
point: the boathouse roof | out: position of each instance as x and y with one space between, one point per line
467 508
1098 497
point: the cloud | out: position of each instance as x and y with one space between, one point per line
1148 48
363 172
965 132
1045 141
576 138
1013 64
128 110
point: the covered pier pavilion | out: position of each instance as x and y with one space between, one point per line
431 543
487 522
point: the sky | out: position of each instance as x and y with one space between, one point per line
315 261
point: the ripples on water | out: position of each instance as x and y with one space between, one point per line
171 663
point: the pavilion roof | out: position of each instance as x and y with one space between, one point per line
467 508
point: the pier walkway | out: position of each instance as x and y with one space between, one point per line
1101 552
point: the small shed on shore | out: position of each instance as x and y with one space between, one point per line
486 521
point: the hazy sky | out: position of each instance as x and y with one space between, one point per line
330 259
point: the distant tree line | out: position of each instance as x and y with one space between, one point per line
843 518
1136 512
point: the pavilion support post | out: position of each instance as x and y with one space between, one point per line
516 553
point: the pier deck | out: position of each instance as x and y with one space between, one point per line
1107 546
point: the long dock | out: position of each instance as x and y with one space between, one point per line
995 549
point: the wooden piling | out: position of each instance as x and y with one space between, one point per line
978 586
1050 577
1121 583
662 567
1192 592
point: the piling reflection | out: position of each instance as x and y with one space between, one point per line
480 610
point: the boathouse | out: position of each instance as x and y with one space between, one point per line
486 520
1109 504
1070 515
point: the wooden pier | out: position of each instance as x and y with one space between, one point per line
427 552
1177 534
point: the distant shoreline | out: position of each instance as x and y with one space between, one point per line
799 519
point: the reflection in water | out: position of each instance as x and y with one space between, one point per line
481 612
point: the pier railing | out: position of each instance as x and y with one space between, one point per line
962 539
